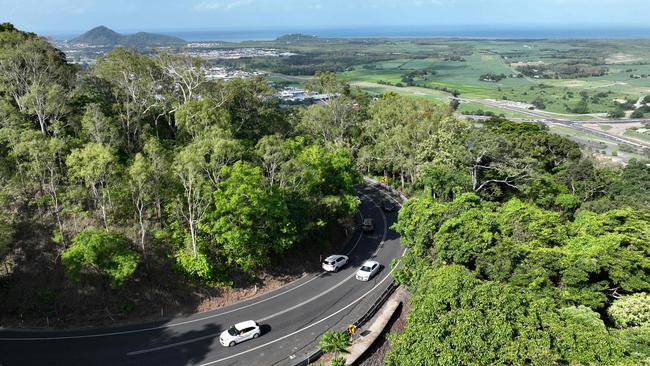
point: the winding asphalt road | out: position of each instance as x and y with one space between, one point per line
292 317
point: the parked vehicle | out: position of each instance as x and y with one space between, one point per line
368 270
368 226
335 262
240 332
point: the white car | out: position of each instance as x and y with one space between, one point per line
334 262
240 332
368 270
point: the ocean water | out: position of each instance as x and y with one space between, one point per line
469 31
499 32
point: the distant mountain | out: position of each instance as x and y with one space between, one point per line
103 36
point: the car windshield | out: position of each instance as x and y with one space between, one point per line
328 262
233 331
366 269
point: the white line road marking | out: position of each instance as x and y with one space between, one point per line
280 312
308 300
157 327
166 326
304 328
134 353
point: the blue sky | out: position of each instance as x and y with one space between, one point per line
60 16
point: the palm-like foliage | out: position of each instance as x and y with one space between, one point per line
333 341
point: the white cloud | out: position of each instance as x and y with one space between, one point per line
221 5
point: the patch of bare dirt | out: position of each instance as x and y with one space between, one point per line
229 296
621 58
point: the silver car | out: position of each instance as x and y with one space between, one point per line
368 270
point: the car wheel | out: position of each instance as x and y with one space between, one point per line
232 344
256 335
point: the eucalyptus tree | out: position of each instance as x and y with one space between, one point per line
35 76
159 163
335 121
39 159
408 133
272 152
219 148
138 87
94 165
99 128
196 116
187 75
140 174
191 205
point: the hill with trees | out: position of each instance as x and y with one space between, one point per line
139 183
103 36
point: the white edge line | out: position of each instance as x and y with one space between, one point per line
140 330
309 326
271 316
172 325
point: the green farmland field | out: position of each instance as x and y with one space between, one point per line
578 78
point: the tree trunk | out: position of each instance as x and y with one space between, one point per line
193 233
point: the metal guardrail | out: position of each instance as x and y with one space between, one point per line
311 358
377 305
381 300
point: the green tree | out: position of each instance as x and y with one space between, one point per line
38 158
136 83
327 179
252 110
160 168
405 133
97 127
273 153
6 227
94 165
186 73
101 251
191 205
335 122
35 76
456 319
219 148
249 222
140 176
48 103
196 116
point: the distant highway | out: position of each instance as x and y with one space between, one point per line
574 124
292 318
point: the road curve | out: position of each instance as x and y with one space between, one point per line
292 317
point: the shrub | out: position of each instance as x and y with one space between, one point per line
199 267
105 252
631 310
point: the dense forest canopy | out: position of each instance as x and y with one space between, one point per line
520 249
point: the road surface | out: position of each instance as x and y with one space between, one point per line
574 124
292 317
